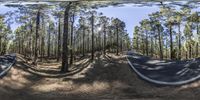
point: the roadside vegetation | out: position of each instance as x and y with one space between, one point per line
169 34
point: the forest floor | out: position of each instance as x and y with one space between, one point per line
106 78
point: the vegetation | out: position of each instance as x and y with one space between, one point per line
68 50
5 35
162 33
66 31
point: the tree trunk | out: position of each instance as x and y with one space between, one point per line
42 48
104 40
179 42
92 22
121 44
39 46
49 38
99 41
146 42
36 37
137 45
186 55
83 49
197 46
30 40
19 46
160 44
71 50
197 51
171 43
152 47
143 44
59 41
166 50
88 41
190 51
155 43
54 52
117 40
29 46
42 40
0 44
64 67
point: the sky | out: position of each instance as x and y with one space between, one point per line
130 14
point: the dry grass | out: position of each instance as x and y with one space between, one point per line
106 78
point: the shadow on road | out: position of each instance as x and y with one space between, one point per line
166 70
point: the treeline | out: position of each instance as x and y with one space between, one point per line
5 35
169 34
65 31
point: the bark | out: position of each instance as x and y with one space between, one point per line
71 50
179 41
64 67
137 45
39 46
42 40
19 46
186 55
30 40
152 47
197 46
171 43
166 50
197 51
160 44
117 40
88 41
37 37
83 49
146 42
121 45
92 22
42 48
59 41
0 45
155 43
190 51
143 49
49 38
104 43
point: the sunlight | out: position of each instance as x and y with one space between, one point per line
154 61
99 50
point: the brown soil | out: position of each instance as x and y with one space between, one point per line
106 78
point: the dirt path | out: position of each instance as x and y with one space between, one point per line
106 78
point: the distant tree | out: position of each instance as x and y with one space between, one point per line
136 38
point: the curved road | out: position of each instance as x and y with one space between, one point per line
166 72
6 63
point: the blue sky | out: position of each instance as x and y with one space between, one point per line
4 9
130 14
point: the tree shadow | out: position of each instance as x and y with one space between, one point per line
165 70
51 73
113 71
105 78
103 69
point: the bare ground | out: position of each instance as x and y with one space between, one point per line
106 78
